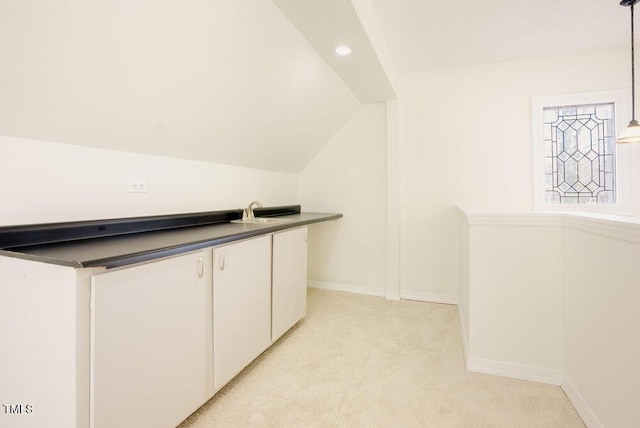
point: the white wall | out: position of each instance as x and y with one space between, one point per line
477 121
45 182
554 298
602 325
349 176
467 142
464 301
515 309
527 309
223 81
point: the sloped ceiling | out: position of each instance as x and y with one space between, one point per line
232 82
243 82
327 24
423 35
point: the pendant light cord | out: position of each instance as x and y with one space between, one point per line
633 71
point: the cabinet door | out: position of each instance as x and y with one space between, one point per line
241 306
289 301
148 343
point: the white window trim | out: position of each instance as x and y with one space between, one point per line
622 107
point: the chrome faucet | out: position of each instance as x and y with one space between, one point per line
247 214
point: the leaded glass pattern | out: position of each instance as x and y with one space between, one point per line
579 154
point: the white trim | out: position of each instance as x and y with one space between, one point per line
447 299
610 226
616 227
394 198
465 337
392 294
349 288
518 371
588 416
621 99
513 219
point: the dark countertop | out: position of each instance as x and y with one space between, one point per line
122 250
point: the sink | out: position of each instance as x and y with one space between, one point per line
263 220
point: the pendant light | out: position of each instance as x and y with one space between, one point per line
632 133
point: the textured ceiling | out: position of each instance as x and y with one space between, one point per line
428 34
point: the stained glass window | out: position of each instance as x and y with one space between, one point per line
579 154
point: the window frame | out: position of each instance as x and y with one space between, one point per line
621 100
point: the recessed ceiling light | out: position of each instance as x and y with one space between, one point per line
343 50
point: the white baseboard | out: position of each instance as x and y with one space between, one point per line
589 418
392 295
518 371
465 338
448 299
349 288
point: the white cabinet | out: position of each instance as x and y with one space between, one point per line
42 360
289 280
144 345
148 343
241 306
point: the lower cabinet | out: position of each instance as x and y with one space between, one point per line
155 358
148 343
144 345
289 280
241 306
259 292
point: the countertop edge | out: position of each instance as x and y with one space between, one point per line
41 259
168 252
145 256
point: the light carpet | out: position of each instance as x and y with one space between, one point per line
362 361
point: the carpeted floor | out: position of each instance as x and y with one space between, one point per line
362 361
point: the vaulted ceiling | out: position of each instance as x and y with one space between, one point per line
254 83
222 81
